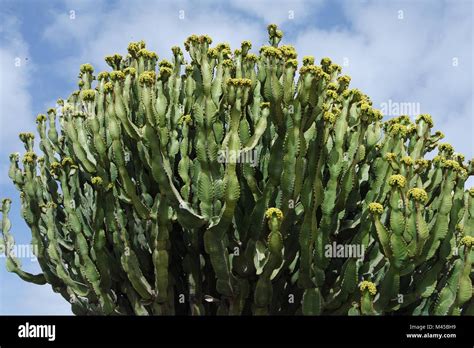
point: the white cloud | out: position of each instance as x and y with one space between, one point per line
15 100
278 11
16 296
159 24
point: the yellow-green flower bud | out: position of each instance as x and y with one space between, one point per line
165 63
407 160
147 78
326 62
108 87
397 180
390 156
238 82
135 47
418 194
291 63
97 180
308 60
446 148
427 118
104 75
29 157
451 164
117 75
270 211
86 68
269 51
376 208
185 119
40 118
467 241
329 117
88 95
129 71
288 52
67 161
369 286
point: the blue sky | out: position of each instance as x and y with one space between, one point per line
417 52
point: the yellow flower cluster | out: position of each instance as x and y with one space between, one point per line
114 59
451 164
308 60
239 82
399 129
329 117
407 160
344 80
270 51
103 75
29 157
439 159
288 52
390 156
326 62
291 63
439 134
117 75
270 211
134 47
223 47
176 50
397 180
88 95
108 87
447 148
251 57
467 241
86 68
147 78
147 54
24 136
67 161
422 162
227 63
376 208
97 180
369 286
247 44
185 119
425 117
40 118
194 39
165 71
312 69
165 63
129 71
331 94
418 194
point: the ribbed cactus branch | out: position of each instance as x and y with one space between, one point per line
217 187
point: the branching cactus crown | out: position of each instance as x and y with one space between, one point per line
237 184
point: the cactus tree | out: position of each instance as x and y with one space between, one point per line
216 187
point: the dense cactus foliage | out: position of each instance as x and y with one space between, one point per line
217 187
